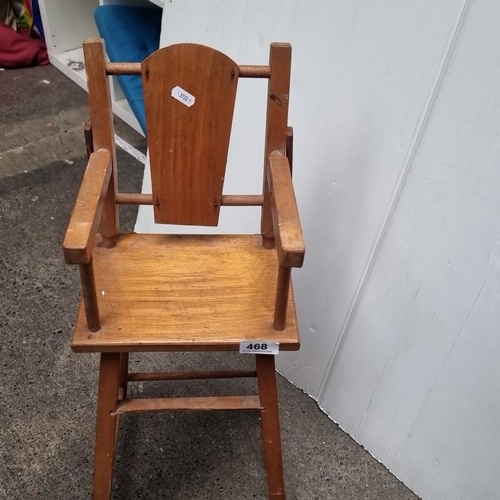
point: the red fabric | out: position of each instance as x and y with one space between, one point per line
19 50
29 8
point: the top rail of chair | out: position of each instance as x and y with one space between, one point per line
134 68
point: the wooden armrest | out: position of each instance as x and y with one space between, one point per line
80 235
287 229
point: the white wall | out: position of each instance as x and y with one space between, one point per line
426 325
396 115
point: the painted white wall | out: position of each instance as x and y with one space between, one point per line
396 115
417 379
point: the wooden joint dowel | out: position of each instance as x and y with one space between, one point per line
242 200
90 296
123 68
237 200
193 375
251 71
134 199
281 304
134 68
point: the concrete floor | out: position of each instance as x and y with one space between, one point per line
47 395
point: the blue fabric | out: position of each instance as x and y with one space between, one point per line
37 18
131 34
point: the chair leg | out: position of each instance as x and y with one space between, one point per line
106 425
268 394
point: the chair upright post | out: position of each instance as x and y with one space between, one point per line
280 60
103 134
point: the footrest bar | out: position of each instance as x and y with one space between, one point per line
192 375
189 404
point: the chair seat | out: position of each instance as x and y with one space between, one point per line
184 293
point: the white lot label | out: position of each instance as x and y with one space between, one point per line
259 347
183 96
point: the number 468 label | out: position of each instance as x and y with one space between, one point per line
259 347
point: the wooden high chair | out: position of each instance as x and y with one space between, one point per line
156 292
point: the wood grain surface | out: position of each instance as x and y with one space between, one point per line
287 228
103 133
278 93
80 235
188 141
207 403
185 293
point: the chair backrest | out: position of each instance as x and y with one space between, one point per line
189 93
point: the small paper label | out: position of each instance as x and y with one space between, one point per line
183 96
259 347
